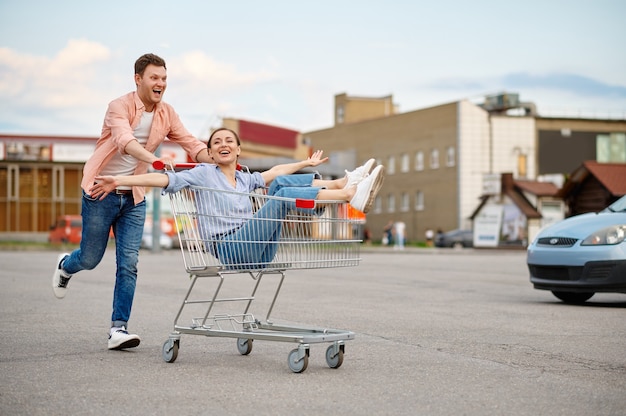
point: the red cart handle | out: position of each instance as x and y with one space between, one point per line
158 165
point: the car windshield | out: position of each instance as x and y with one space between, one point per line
618 206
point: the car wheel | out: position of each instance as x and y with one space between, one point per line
573 297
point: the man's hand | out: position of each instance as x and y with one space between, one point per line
167 162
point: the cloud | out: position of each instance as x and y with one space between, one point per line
558 82
59 82
73 87
199 70
565 82
37 92
201 88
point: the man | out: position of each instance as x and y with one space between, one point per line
134 126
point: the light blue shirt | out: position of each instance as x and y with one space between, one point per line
223 210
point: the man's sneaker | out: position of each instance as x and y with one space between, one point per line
119 339
366 190
60 279
357 175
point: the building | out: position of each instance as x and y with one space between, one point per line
593 186
514 215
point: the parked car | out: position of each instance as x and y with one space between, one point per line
67 229
581 255
455 238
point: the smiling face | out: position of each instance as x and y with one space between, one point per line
151 85
224 147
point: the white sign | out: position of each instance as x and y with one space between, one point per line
487 226
72 152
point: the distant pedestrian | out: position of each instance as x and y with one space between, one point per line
388 233
430 235
399 231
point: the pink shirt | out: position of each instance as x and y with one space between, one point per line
122 116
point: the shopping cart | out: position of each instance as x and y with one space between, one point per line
312 234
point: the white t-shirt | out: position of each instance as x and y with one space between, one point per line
126 164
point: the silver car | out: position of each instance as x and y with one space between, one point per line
581 255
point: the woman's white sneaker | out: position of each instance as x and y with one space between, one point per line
367 190
357 175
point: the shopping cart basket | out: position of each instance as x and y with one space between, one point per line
311 235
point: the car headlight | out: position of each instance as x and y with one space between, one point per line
614 234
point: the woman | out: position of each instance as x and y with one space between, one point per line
245 238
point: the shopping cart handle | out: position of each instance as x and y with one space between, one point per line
158 165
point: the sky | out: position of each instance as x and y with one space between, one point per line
283 62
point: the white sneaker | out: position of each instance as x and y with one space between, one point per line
120 339
360 173
367 189
60 279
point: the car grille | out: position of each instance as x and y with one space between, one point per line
556 272
557 241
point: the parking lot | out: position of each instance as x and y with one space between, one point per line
438 332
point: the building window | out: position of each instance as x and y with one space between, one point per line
450 156
434 159
522 165
419 161
391 165
419 201
340 114
404 163
611 148
391 203
404 202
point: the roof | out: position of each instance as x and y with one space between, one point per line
512 188
522 203
268 135
518 199
611 175
537 188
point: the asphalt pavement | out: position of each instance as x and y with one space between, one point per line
438 332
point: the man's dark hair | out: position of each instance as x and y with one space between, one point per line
147 59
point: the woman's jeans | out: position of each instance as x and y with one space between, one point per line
127 221
254 245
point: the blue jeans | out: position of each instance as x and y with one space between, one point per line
127 221
256 242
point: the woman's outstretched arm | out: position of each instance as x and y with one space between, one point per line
288 168
107 184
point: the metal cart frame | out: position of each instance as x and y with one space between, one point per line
313 234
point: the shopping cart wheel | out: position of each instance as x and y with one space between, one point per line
334 355
244 345
170 350
298 361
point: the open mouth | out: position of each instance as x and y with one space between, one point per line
157 92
